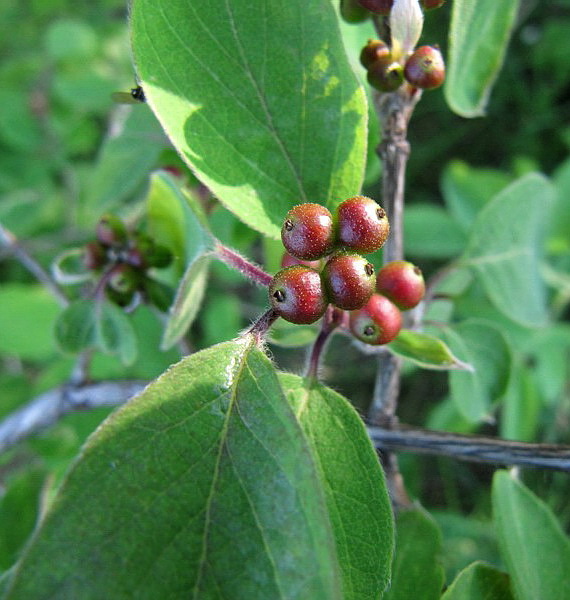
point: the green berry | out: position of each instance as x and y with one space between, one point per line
296 294
425 68
377 322
402 282
385 75
362 224
349 280
308 231
352 12
160 257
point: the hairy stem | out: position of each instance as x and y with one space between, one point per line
238 262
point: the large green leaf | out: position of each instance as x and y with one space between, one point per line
353 481
201 487
533 545
417 563
259 100
478 37
479 581
484 347
505 246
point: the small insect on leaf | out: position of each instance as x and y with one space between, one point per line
135 96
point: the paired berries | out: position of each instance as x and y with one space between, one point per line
313 236
124 257
402 282
378 322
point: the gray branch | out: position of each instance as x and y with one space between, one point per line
47 409
471 448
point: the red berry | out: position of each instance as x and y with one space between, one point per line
430 4
378 322
349 280
296 294
385 75
425 68
402 282
352 12
289 261
374 50
379 7
362 224
95 255
308 231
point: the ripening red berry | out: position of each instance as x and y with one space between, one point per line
425 68
378 7
308 231
374 50
362 225
385 75
296 294
402 282
431 4
377 322
349 280
94 255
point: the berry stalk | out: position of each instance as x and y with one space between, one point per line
236 261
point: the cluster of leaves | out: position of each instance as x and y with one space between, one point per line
225 466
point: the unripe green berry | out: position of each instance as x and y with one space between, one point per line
385 75
296 294
157 293
425 68
373 51
123 279
160 257
308 231
378 7
352 12
362 225
402 282
349 280
377 322
111 231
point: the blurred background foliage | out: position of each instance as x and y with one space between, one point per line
69 154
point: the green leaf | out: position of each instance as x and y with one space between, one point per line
417 563
478 38
535 549
278 118
203 486
27 314
187 301
466 190
479 581
505 246
430 232
484 347
88 323
114 332
289 335
426 351
123 162
355 491
172 221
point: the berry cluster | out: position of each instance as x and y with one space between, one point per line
324 265
400 286
301 292
125 258
424 68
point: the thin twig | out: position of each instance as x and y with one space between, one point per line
471 448
9 241
333 318
47 409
